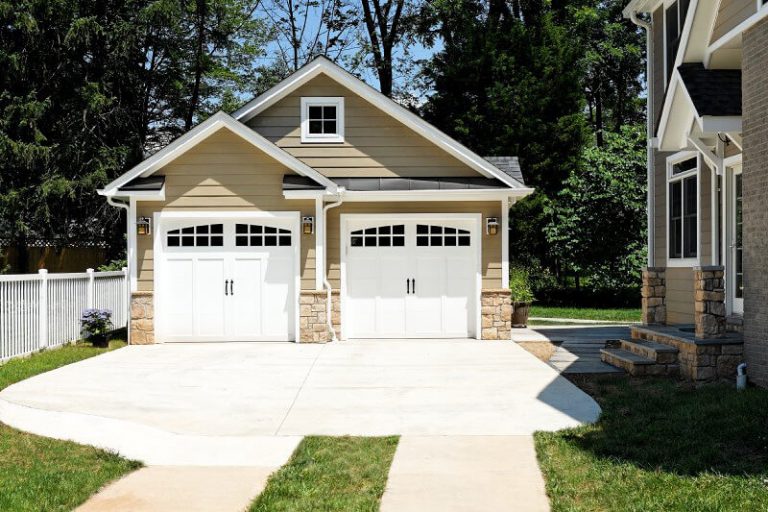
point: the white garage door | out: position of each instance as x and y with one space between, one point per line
226 280
411 278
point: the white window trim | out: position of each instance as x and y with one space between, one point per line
324 101
671 161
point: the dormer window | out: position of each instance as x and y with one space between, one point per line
322 119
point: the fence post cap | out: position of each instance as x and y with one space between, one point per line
42 271
89 270
125 269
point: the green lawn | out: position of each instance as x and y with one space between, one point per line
331 474
37 473
661 445
610 314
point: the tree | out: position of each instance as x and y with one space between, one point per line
596 224
384 25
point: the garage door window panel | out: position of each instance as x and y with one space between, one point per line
382 236
441 236
256 235
207 235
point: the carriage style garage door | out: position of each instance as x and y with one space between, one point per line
410 276
226 279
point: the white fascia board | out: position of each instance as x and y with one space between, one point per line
735 32
304 194
719 124
139 195
201 132
380 101
435 195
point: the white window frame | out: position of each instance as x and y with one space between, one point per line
322 101
671 161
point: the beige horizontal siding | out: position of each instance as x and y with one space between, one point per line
376 144
730 15
679 300
491 249
224 173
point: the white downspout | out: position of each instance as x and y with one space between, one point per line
645 25
111 201
329 296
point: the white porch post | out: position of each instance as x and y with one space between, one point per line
319 244
504 242
131 235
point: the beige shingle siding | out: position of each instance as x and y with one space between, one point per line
224 173
375 143
755 186
730 14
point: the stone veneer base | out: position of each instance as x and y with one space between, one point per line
496 314
313 315
142 319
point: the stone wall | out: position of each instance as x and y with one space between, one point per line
142 319
755 186
496 314
701 361
709 301
313 316
653 293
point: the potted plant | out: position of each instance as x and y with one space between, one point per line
522 296
96 326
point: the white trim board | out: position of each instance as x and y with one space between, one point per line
201 132
323 65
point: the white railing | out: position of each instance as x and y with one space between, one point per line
43 310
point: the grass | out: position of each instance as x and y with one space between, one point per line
608 314
661 445
330 474
38 473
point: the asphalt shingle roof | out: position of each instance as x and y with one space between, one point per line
714 92
510 165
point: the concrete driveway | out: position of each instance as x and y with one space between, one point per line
225 404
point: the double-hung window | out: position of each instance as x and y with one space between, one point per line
683 208
322 119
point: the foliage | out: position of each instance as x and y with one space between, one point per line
114 266
332 474
519 285
95 322
597 221
661 445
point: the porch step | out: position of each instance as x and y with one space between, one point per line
635 364
657 352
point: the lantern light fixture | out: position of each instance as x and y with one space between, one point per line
308 225
144 226
491 226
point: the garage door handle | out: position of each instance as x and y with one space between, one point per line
407 286
226 282
232 287
413 285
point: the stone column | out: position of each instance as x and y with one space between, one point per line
142 319
654 293
496 314
709 283
313 317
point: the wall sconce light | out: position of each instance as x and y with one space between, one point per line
308 225
491 226
144 226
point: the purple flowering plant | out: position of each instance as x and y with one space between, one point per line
95 322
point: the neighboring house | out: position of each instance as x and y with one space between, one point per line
321 202
708 170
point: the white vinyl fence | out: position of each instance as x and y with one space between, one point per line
43 310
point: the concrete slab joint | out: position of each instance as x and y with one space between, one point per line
496 314
142 318
654 291
709 297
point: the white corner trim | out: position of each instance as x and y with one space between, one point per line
387 105
201 132
322 101
133 269
505 242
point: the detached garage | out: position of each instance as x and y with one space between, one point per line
320 210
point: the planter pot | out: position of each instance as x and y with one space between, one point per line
520 314
99 340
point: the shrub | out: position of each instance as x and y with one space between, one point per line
95 323
519 285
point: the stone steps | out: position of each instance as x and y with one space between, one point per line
657 352
636 364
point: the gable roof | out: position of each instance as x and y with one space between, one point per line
509 165
714 92
201 132
322 65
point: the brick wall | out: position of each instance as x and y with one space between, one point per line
755 179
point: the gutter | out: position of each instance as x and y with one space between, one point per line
112 202
651 206
326 284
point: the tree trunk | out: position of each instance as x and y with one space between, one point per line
194 99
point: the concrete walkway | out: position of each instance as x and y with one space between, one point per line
465 474
249 404
181 489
